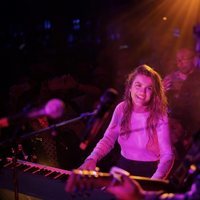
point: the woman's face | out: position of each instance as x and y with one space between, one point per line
141 92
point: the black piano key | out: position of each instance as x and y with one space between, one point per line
52 175
42 172
57 176
63 177
17 166
7 164
31 169
36 171
11 165
22 167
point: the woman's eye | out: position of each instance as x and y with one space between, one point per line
149 88
137 86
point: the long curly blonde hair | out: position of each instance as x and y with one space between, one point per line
157 105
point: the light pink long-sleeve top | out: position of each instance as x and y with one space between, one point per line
134 147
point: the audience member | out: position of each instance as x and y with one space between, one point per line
182 89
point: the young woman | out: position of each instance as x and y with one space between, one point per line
140 125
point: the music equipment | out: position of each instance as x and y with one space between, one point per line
47 182
101 179
34 179
41 182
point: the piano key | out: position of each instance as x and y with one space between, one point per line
31 169
63 177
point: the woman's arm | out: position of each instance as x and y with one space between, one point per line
104 146
166 150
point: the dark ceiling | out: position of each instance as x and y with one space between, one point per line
65 31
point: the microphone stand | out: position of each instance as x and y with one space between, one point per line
51 127
31 134
15 178
55 126
14 148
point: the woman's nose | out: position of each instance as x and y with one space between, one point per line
142 91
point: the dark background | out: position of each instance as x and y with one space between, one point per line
46 38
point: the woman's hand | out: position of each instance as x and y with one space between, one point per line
89 164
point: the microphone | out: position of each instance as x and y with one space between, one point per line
106 101
54 108
98 117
